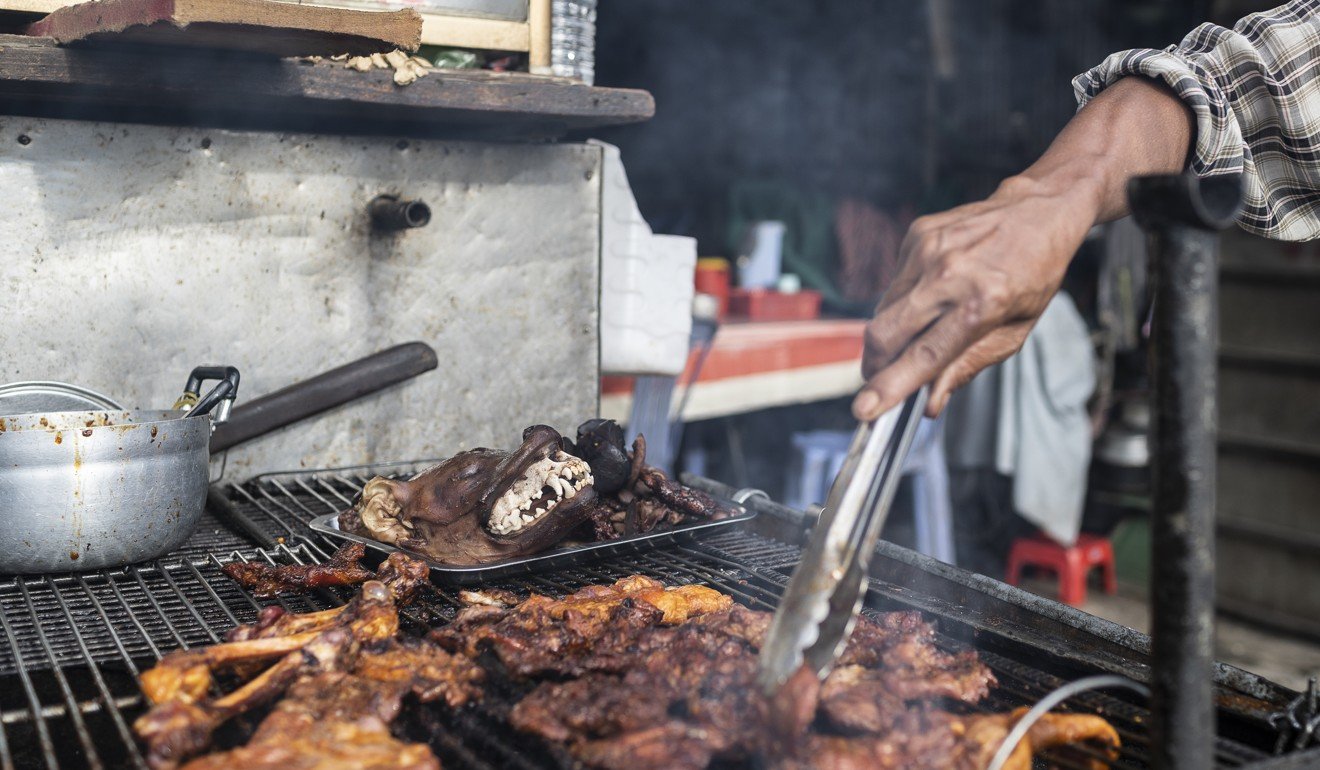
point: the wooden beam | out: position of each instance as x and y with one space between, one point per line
209 88
538 33
258 26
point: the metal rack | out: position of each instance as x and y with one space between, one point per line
74 644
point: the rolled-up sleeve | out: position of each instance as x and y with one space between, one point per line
1255 92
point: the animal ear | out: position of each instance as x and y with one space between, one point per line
537 428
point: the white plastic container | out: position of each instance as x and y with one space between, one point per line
645 284
759 266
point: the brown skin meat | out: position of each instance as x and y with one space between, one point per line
543 635
652 695
265 581
423 668
328 721
445 512
692 502
942 741
356 648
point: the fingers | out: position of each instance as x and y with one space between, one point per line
934 280
995 347
920 362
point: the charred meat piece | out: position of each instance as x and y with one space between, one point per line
402 574
424 669
692 502
328 721
265 581
179 727
942 741
684 694
356 649
489 597
600 443
543 635
672 745
480 505
705 678
862 699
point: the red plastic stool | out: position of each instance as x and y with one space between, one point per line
1070 564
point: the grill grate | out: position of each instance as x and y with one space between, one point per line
276 507
73 645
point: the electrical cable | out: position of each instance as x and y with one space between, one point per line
1053 699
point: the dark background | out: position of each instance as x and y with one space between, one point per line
842 97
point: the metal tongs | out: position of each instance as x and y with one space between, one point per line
826 591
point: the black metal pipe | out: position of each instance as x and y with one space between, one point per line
1182 215
388 212
323 392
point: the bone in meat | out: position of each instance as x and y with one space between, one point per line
264 580
181 721
328 721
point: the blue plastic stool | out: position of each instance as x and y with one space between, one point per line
820 455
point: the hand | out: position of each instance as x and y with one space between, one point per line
972 284
975 278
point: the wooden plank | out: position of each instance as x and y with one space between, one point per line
33 6
256 26
209 88
538 34
473 32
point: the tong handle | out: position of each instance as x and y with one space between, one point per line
825 594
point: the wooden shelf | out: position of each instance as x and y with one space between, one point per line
228 90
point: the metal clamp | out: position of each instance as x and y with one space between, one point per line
221 397
1299 722
748 493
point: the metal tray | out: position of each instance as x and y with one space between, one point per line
559 558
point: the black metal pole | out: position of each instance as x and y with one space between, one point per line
1182 215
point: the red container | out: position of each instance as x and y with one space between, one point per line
769 305
712 277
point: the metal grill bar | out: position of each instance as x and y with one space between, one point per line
112 624
79 726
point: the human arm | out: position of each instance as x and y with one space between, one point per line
975 278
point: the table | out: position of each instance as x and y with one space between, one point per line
754 366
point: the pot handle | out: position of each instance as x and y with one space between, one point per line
222 394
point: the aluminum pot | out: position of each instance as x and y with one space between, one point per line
86 490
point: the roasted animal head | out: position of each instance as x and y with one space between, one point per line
600 443
482 504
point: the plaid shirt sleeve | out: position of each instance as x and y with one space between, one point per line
1255 92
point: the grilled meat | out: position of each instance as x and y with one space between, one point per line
480 505
424 669
942 741
328 721
691 501
179 727
649 695
342 675
403 575
669 745
489 597
265 581
696 673
632 675
543 635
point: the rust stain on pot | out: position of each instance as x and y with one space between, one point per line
59 437
153 431
73 555
87 432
